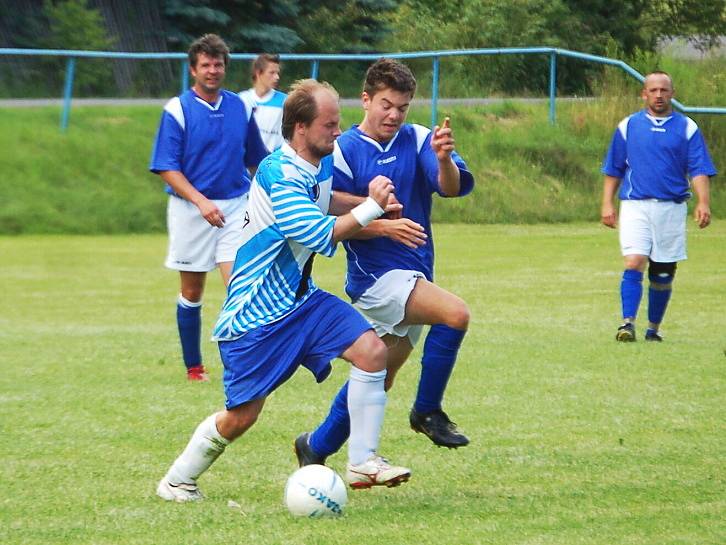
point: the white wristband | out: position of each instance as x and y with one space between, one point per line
367 211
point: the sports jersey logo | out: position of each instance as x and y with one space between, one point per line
315 192
246 221
386 160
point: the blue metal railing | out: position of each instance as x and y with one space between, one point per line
315 60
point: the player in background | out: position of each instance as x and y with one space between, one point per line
207 139
653 152
266 100
389 282
275 319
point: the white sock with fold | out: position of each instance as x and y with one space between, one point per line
203 449
366 407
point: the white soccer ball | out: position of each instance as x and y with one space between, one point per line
315 491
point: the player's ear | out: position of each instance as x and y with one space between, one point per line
366 98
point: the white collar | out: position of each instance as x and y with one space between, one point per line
298 161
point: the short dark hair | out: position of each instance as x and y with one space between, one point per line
301 105
391 74
211 45
261 62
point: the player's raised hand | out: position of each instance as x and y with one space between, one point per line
379 189
211 213
406 232
702 215
442 140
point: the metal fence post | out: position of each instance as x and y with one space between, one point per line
67 93
315 69
435 92
184 76
553 85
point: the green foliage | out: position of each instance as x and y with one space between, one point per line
576 439
74 25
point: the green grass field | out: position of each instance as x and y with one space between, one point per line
575 438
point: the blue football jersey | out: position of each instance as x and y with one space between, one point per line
410 162
655 155
286 223
211 144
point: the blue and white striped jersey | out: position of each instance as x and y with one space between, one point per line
654 156
286 223
268 115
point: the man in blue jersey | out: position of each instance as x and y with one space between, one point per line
389 282
266 100
207 141
275 319
654 152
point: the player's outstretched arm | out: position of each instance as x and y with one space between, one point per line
184 188
403 230
370 209
342 203
608 215
702 210
443 144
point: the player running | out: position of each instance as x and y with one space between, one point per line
275 319
389 282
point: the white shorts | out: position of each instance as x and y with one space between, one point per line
653 228
197 246
384 304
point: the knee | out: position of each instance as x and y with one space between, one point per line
241 422
635 262
192 294
459 318
373 354
661 274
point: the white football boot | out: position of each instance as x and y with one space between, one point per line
376 471
178 492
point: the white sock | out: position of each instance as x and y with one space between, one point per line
203 449
366 407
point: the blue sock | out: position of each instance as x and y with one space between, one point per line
659 293
439 356
189 321
335 429
631 290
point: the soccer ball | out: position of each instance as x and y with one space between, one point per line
315 491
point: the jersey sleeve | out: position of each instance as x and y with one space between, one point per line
342 173
699 160
168 146
614 163
255 150
300 219
430 165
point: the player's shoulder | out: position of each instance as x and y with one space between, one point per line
173 107
277 99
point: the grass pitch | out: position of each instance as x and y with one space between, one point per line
575 438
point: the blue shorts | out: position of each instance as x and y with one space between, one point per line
312 335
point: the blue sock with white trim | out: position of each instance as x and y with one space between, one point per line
189 321
439 356
631 290
659 293
333 432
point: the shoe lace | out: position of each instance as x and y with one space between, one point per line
441 419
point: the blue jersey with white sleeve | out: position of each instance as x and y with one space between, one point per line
286 223
211 144
268 115
410 162
654 156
